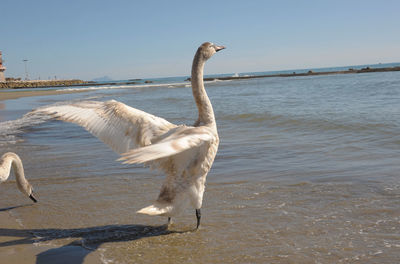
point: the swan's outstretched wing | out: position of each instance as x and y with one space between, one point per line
119 126
181 139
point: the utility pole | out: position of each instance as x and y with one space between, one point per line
26 69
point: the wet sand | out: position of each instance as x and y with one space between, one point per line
18 246
18 94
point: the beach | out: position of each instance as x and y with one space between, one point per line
7 95
306 172
13 250
18 245
254 132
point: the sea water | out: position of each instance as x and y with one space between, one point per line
308 171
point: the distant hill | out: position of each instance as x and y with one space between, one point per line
102 79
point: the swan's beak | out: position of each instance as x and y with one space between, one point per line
218 48
33 198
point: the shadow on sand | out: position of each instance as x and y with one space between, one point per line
13 207
89 239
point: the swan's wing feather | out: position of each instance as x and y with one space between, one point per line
170 146
183 168
119 126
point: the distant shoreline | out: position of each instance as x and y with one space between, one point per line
69 83
309 73
56 83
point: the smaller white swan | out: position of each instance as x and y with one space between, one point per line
11 159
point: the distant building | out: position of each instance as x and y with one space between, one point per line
2 69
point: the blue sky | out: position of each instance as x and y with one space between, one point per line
138 39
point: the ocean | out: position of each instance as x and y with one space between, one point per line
308 171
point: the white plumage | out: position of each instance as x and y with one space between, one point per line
184 153
11 160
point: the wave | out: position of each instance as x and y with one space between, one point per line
137 86
9 130
308 123
251 117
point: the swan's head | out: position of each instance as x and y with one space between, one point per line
26 188
207 49
33 198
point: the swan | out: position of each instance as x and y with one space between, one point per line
184 153
11 159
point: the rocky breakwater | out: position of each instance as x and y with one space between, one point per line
309 73
41 83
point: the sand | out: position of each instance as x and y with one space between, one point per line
17 246
18 94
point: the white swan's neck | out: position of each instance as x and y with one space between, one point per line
206 112
9 160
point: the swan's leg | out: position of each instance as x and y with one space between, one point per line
169 220
198 215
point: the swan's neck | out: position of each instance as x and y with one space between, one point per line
9 160
206 112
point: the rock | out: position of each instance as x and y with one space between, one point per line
43 83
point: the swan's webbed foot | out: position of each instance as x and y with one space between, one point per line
198 216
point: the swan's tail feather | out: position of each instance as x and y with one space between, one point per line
156 210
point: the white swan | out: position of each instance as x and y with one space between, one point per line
11 159
184 153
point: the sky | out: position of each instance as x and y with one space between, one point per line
86 39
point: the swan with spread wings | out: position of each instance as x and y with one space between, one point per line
184 153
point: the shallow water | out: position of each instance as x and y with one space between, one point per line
307 171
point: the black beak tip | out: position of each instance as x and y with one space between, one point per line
219 48
33 198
